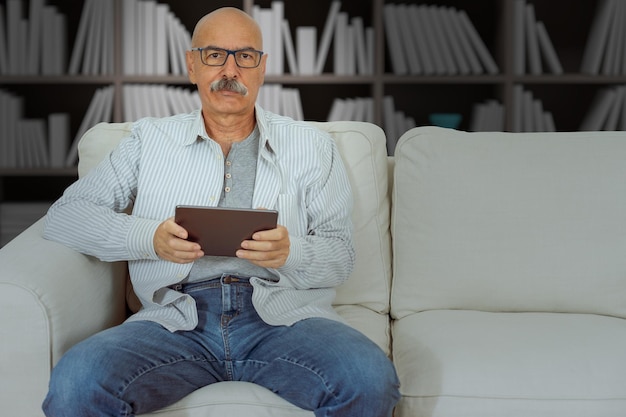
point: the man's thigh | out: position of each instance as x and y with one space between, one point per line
138 363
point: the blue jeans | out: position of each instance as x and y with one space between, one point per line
139 367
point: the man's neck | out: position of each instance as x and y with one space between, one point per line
227 129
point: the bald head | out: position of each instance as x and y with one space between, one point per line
227 20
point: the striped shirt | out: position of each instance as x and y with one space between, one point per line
169 161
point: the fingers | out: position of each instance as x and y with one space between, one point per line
268 249
171 245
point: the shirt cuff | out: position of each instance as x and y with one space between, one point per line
141 239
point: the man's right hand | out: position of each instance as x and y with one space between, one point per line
171 244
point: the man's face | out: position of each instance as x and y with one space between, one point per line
217 85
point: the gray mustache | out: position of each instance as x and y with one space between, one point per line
229 84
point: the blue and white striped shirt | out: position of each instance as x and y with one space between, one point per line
169 161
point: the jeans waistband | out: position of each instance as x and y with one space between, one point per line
215 282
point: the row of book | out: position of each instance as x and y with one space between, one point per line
35 44
605 50
439 40
532 47
608 110
15 217
529 114
306 51
155 40
487 117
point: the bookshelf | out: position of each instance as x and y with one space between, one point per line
567 95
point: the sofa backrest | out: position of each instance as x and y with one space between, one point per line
362 147
518 222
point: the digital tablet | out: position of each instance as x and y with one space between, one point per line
220 230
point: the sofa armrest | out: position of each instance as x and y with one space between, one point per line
51 297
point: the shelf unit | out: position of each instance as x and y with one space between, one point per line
567 96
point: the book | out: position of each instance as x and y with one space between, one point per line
360 48
306 39
477 43
599 110
406 38
3 44
14 18
466 46
290 51
160 39
519 38
81 37
431 40
34 36
394 45
532 43
597 38
327 35
129 9
435 15
612 120
612 54
278 15
460 60
547 49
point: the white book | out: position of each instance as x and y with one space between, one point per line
548 122
14 17
599 110
478 117
612 121
58 138
290 51
148 40
306 39
128 106
160 48
4 64
129 9
93 46
369 111
297 102
183 40
89 119
29 157
622 125
547 49
350 57
23 46
278 15
370 43
34 36
409 49
172 45
39 140
528 123
419 36
336 109
108 28
597 39
4 128
362 59
534 59
477 43
430 36
538 116
394 42
613 53
81 36
265 19
15 112
519 39
460 60
435 16
466 46
327 35
518 107
61 41
341 44
48 40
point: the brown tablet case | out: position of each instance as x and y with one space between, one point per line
220 230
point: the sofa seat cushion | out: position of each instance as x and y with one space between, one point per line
509 222
481 364
232 398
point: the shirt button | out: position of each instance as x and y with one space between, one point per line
227 189
228 163
228 176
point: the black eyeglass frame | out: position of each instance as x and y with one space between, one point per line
228 53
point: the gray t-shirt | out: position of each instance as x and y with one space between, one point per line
239 178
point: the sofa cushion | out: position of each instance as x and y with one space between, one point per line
509 222
455 363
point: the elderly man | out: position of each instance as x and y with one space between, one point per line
264 316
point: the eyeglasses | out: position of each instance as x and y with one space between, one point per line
216 57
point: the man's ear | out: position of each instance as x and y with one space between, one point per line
189 58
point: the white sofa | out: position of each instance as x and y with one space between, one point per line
508 295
